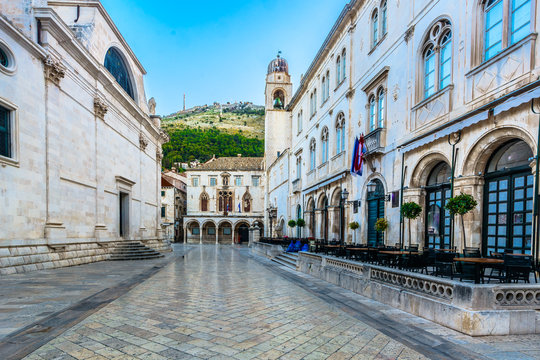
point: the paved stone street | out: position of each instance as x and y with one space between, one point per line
222 303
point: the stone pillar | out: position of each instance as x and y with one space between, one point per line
472 185
200 235
217 236
185 235
256 234
418 235
320 222
233 234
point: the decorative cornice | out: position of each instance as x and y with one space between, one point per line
100 108
54 70
143 141
159 154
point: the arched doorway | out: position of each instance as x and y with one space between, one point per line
438 219
242 233
298 216
508 200
375 211
311 212
323 207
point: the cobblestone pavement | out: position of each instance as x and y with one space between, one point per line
219 303
28 297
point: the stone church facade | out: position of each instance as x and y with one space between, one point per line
80 156
443 93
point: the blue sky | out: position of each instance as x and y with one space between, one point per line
219 50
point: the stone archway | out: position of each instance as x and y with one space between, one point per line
241 233
208 232
225 232
192 232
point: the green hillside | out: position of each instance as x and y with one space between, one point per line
205 131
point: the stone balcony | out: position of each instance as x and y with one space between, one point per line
297 186
375 141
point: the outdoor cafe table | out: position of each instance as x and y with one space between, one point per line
479 265
331 247
350 250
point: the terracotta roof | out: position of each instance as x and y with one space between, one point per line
165 183
232 164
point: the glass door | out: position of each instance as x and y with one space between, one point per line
438 219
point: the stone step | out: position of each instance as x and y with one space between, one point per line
126 258
133 251
285 261
290 256
145 252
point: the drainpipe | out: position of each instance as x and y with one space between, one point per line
536 218
78 13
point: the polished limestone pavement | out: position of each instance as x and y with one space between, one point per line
220 302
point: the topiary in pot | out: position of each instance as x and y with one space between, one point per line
410 211
461 205
354 226
300 223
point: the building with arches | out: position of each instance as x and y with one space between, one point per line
225 198
80 156
442 92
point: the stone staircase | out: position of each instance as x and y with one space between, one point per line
287 259
133 251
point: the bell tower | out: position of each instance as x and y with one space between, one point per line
277 124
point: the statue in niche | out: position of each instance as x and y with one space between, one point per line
152 106
279 100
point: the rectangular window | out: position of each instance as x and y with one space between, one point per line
521 19
163 210
163 193
227 231
255 181
211 231
299 168
195 181
494 30
5 132
213 181
196 231
238 181
312 159
446 65
429 80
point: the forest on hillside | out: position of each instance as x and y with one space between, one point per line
188 144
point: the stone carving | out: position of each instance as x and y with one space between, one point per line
395 92
517 297
431 111
425 286
409 33
510 68
359 269
143 142
54 70
152 106
159 154
163 137
485 82
100 108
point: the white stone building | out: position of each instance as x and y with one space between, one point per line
431 84
80 151
225 198
173 204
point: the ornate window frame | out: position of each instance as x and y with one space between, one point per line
340 133
13 114
378 24
312 154
325 135
130 87
11 67
376 88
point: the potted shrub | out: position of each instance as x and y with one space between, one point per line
292 224
461 205
381 225
410 211
300 223
353 226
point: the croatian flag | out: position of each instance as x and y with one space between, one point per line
239 208
357 167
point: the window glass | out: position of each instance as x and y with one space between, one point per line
429 72
5 132
195 181
384 10
298 168
163 208
238 181
213 181
163 193
227 231
493 28
512 155
211 231
446 61
375 28
195 231
521 20
4 60
372 114
338 66
255 181
344 65
380 108
338 140
115 64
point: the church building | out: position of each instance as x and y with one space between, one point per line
80 146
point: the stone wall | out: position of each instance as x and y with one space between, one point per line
266 250
476 310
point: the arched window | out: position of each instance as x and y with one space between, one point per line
338 70
225 201
312 154
340 134
384 17
324 139
437 58
204 202
501 17
380 108
300 121
375 28
343 65
298 167
372 113
314 101
115 64
328 84
246 201
323 83
4 59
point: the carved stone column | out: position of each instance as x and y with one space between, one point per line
472 185
100 229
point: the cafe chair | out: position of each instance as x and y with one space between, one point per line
517 268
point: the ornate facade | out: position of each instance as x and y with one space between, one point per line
443 93
79 158
224 201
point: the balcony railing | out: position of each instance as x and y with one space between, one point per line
375 142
